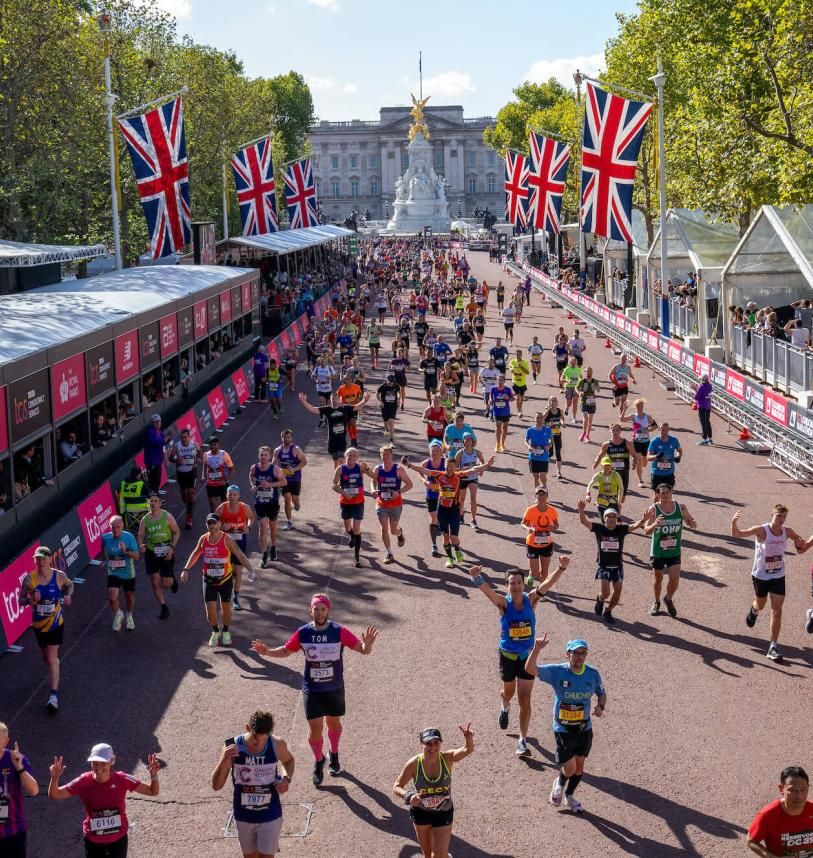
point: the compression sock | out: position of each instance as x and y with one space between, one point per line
433 532
216 629
333 737
316 747
448 549
357 544
562 779
225 628
572 784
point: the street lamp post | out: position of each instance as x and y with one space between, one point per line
106 25
659 80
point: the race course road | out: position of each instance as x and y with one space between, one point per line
698 724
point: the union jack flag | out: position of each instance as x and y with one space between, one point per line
158 150
613 131
516 188
546 181
300 194
256 191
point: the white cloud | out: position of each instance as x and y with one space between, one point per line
328 84
563 68
350 87
330 5
176 8
271 9
448 84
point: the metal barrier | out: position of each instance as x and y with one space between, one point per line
790 453
615 292
682 318
771 360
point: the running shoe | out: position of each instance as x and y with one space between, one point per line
389 559
703 443
226 639
641 484
401 538
130 624
608 617
53 703
599 606
809 623
654 608
530 582
118 619
670 606
449 563
573 804
318 772
214 638
435 552
252 577
264 561
774 654
582 437
235 603
357 563
272 552
559 477
458 555
751 618
556 793
334 766
289 525
522 748
474 526
502 721
164 612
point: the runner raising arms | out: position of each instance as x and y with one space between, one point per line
266 479
291 459
18 781
322 642
517 633
430 798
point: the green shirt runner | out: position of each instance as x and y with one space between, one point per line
666 537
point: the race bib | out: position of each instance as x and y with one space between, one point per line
117 563
215 569
105 821
541 539
774 564
436 425
571 713
350 493
433 802
590 400
664 465
264 495
188 461
519 631
288 471
272 386
669 542
537 451
45 609
215 475
321 674
161 550
4 808
385 495
255 799
619 465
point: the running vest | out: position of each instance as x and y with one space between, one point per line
216 463
216 560
265 476
620 375
468 460
288 461
588 392
324 669
769 555
555 422
640 427
431 483
234 522
620 456
436 795
666 538
352 485
157 534
273 379
254 778
185 456
388 484
517 628
47 613
448 487
437 422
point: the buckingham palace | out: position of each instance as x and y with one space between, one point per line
357 162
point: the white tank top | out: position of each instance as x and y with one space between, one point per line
769 555
640 427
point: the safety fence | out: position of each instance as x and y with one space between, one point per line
771 360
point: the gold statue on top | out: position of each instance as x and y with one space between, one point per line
418 126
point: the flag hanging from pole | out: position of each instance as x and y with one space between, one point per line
157 148
516 188
300 194
547 170
613 131
256 191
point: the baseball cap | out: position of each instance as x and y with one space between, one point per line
155 418
606 461
213 516
436 442
430 734
101 753
576 643
43 551
233 488
540 490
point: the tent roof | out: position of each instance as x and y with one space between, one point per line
692 233
46 317
15 254
779 241
290 240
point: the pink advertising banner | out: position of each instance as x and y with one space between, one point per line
240 386
94 517
14 618
68 386
217 404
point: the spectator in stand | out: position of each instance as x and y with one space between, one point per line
771 326
798 335
702 402
751 313
785 826
737 316
99 433
69 449
155 443
804 312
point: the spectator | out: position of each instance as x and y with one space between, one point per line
702 400
69 448
804 312
99 433
751 313
798 335
155 443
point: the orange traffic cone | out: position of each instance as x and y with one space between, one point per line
637 363
745 435
570 314
608 344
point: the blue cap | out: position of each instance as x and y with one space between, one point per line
234 488
576 643
436 442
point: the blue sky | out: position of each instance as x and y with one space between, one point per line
359 55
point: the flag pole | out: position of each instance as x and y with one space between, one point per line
105 25
225 202
255 140
659 80
420 73
604 83
549 134
156 101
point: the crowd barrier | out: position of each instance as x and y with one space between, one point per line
76 538
775 361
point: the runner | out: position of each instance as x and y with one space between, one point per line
785 826
609 488
467 458
577 347
622 453
348 483
236 519
472 361
217 466
500 295
185 455
338 418
388 395
642 424
519 369
17 781
561 354
587 388
388 483
555 420
158 537
399 367
509 315
517 633
664 522
350 393
261 768
454 433
47 590
429 799
619 378
322 642
120 551
539 440
374 332
266 479
500 354
429 366
323 375
540 521
291 358
574 683
435 462
435 419
274 386
292 460
489 377
568 381
259 367
535 351
501 398
768 570
217 549
104 794
663 454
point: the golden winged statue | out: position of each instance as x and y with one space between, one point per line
418 126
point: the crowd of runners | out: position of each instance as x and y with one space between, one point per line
406 316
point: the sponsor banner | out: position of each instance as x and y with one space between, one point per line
620 320
754 395
29 405
776 407
169 335
701 366
213 312
217 406
67 543
236 303
15 619
652 341
283 340
150 339
225 307
735 384
201 319
273 350
99 370
800 420
127 365
688 359
717 374
240 386
206 425
255 293
245 289
190 422
140 463
186 326
68 386
230 395
94 517
674 351
3 421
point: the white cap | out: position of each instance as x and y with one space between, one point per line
101 753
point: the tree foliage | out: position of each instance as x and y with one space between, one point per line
54 169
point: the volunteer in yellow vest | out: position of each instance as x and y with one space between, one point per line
609 487
158 536
519 369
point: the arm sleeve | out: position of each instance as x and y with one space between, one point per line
348 639
293 644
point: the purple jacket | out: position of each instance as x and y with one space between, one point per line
702 396
154 443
